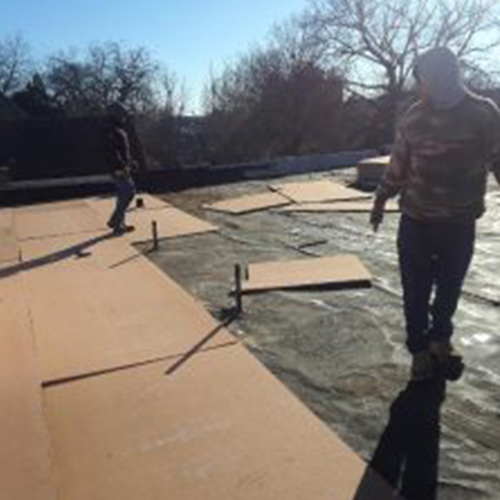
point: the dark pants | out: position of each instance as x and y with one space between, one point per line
125 192
432 256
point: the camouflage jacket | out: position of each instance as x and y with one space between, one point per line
441 158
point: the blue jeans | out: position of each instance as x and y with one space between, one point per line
432 255
125 192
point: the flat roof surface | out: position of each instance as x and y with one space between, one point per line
117 383
342 352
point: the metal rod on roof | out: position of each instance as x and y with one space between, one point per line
154 229
312 244
237 289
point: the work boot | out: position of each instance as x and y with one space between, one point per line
441 350
118 231
449 363
423 366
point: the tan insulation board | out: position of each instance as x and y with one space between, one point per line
221 427
318 191
104 206
171 223
107 204
109 309
151 202
249 203
96 251
9 247
340 206
53 206
25 456
6 218
57 222
318 271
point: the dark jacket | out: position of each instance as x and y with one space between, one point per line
119 157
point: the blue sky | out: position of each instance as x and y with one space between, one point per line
188 36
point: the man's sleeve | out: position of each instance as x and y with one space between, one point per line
396 172
494 130
119 150
123 149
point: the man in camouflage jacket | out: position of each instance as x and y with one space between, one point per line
444 147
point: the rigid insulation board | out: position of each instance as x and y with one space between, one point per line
7 218
339 270
9 248
170 222
52 206
250 203
108 308
340 206
318 191
220 427
25 456
85 252
149 202
40 223
107 204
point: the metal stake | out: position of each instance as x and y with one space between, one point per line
237 289
154 229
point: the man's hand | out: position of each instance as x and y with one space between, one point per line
377 215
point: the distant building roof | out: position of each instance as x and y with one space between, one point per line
9 110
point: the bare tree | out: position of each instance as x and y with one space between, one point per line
34 98
15 64
273 102
173 95
294 42
162 128
106 73
376 41
137 76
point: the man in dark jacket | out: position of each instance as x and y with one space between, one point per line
444 147
120 164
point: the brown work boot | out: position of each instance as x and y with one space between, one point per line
422 366
449 362
118 231
441 350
